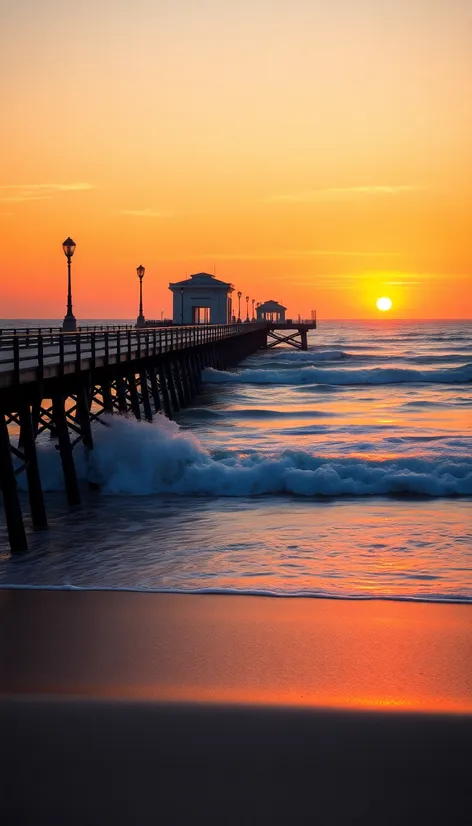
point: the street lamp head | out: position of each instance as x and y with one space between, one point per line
68 247
239 293
247 298
140 271
181 291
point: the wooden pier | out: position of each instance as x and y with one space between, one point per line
63 383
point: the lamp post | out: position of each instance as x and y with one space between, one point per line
239 306
140 272
181 305
253 302
69 325
247 309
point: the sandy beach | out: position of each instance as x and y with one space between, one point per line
131 708
232 649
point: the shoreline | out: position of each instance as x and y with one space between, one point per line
123 589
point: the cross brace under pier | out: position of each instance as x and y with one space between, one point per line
297 338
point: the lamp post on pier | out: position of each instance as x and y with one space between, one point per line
239 306
69 325
247 309
181 305
140 273
253 302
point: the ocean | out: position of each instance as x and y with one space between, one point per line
344 471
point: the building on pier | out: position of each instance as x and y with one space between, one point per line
271 311
202 299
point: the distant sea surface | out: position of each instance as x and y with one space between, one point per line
343 471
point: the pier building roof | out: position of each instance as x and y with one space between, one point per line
271 306
202 279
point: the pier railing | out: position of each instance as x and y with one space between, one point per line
6 333
60 352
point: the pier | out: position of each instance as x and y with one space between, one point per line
63 383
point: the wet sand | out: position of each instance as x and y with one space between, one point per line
135 708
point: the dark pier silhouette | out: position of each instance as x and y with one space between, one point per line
64 383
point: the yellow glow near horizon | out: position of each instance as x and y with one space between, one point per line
384 303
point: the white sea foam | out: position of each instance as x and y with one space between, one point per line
274 593
138 459
314 375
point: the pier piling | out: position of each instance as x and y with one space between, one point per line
35 490
11 500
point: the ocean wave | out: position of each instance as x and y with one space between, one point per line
458 401
207 413
362 359
247 592
313 355
139 459
322 375
437 358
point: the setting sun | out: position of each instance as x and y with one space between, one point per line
384 303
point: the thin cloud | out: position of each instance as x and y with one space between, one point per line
147 213
310 196
17 193
291 254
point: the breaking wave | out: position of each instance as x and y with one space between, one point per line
210 414
312 358
315 375
138 459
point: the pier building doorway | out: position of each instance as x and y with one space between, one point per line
201 315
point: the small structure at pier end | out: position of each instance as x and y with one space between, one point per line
271 311
202 299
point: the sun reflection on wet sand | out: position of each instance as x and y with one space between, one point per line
245 650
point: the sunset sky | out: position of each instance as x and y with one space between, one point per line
314 152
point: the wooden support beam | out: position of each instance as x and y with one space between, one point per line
121 394
36 415
133 393
171 386
83 417
188 378
195 371
182 388
105 390
155 389
65 449
11 500
145 394
165 391
35 490
279 339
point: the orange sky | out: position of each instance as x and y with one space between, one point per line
318 153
